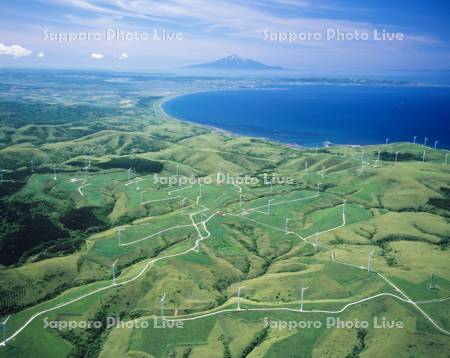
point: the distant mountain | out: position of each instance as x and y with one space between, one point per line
235 62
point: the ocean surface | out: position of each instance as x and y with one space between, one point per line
310 115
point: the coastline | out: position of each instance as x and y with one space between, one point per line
159 108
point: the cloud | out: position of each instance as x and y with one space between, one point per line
96 56
40 54
123 56
15 51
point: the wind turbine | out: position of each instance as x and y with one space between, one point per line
239 298
268 206
119 235
54 171
318 188
161 303
302 291
425 141
415 137
396 157
114 272
378 158
240 201
182 205
432 285
370 260
4 323
141 194
435 144
286 225
387 141
306 165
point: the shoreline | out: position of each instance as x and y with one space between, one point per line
158 106
324 144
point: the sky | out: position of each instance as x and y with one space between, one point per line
309 35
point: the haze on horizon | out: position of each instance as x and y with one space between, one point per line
176 33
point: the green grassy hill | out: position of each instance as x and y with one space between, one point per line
59 237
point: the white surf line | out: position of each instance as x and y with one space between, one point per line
283 202
157 200
144 269
81 187
156 233
173 191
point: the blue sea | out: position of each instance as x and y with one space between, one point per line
310 115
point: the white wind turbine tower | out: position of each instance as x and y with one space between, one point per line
268 205
239 297
425 141
119 235
378 159
435 144
4 324
286 221
114 272
414 140
161 303
182 205
240 201
302 291
396 157
370 261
